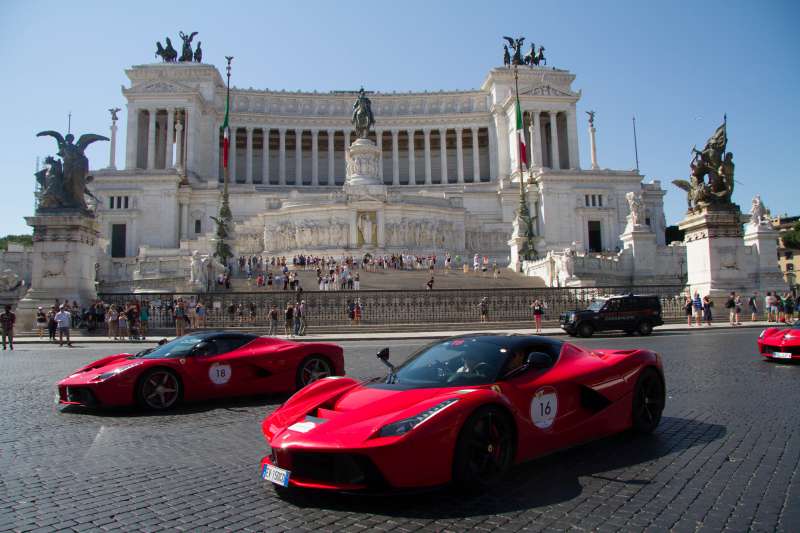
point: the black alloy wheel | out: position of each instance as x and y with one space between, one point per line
645 328
159 389
313 368
648 401
484 450
585 329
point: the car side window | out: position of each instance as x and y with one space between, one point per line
228 344
628 304
205 348
612 306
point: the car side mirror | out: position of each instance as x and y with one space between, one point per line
539 360
383 355
201 348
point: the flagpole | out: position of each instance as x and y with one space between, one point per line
225 208
523 211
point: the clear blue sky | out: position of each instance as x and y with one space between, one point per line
677 65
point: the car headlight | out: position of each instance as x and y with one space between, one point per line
107 375
401 427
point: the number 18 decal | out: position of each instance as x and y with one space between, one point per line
544 407
219 374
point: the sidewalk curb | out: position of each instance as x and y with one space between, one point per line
409 335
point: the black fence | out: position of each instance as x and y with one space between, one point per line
387 307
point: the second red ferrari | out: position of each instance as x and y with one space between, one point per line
201 366
780 344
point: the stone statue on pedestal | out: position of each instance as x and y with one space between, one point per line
64 183
186 53
516 45
362 115
637 211
759 214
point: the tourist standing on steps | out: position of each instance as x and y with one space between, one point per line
63 320
698 307
730 305
7 320
738 309
483 306
688 307
273 321
707 305
538 311
179 314
52 326
300 320
112 319
41 321
288 326
752 303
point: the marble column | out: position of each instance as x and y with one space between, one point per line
536 140
184 220
298 157
395 158
151 139
379 144
412 159
331 158
347 141
443 154
265 155
216 131
315 157
460 154
476 157
248 164
168 138
132 138
190 149
427 133
112 154
282 156
232 155
593 147
572 140
179 148
555 164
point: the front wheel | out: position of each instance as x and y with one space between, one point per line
159 389
645 328
311 369
585 329
484 450
648 401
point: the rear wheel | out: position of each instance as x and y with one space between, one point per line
585 329
648 401
159 389
645 328
313 368
484 450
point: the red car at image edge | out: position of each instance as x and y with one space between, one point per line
201 366
460 410
780 344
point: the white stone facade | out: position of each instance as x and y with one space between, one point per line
447 161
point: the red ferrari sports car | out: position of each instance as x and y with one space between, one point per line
780 344
464 410
201 366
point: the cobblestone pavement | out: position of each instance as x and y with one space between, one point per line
725 457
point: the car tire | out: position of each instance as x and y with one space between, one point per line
311 369
159 389
648 401
585 330
484 449
644 328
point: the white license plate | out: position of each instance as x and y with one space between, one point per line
781 355
279 476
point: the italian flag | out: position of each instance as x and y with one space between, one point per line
226 133
521 138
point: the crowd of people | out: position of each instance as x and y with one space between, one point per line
774 307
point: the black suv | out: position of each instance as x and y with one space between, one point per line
631 313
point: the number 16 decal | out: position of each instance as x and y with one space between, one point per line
544 407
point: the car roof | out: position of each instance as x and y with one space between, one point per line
213 334
510 340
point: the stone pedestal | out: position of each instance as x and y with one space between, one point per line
363 166
641 242
715 253
63 263
764 242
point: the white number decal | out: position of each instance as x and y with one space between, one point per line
219 374
544 407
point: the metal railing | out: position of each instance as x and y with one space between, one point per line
388 307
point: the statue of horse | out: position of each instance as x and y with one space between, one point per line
168 54
362 115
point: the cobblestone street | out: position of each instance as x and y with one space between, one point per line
725 457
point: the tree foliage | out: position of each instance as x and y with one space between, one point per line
25 240
791 238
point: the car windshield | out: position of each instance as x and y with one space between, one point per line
455 362
597 304
180 347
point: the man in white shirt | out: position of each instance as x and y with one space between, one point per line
63 320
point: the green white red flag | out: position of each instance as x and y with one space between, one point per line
226 132
521 138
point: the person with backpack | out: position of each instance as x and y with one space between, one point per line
730 305
288 315
752 303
